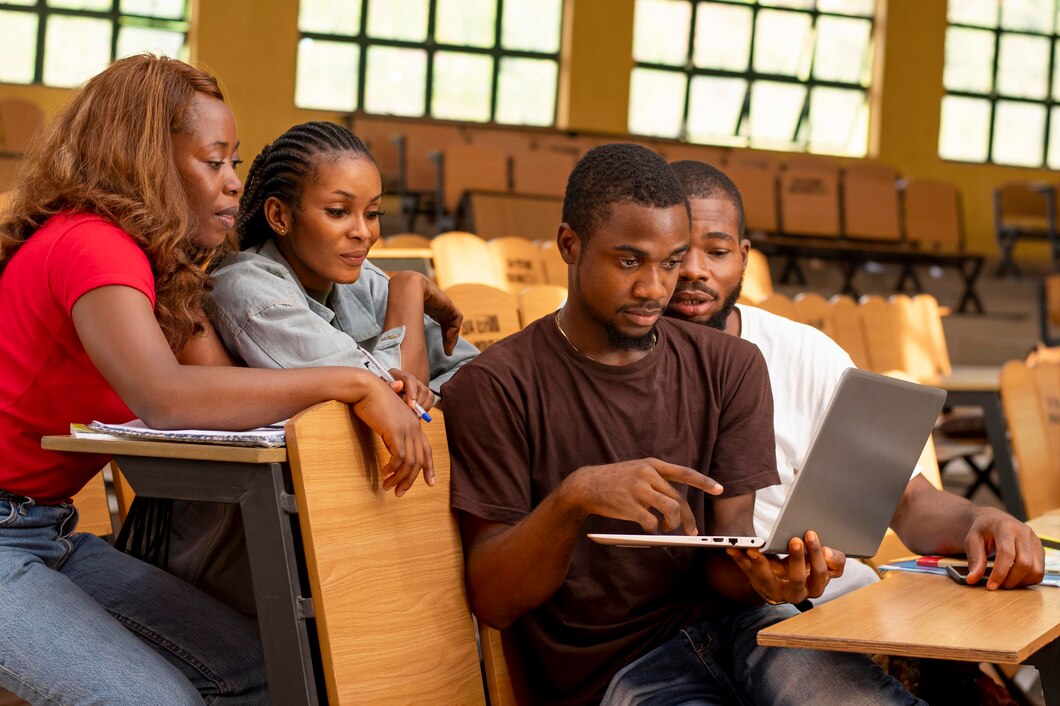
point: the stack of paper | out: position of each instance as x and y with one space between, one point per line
270 436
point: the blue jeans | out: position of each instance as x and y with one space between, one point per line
84 623
719 661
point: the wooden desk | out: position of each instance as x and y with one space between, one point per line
979 386
924 615
258 480
391 260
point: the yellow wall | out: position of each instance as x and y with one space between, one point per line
251 47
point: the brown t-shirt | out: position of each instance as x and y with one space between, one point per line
530 410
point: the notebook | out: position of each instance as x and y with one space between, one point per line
855 471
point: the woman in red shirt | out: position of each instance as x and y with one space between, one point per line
125 197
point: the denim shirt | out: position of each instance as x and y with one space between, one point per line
264 315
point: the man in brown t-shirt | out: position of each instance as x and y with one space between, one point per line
603 417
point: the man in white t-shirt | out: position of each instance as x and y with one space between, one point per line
804 368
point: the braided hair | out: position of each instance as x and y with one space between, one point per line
281 169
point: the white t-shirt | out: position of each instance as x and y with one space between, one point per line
804 369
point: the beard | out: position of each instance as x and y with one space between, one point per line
721 317
617 339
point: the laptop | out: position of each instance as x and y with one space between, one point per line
857 467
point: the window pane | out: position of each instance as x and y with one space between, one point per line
864 8
782 43
21 2
398 19
656 102
526 92
965 128
462 86
714 109
723 37
775 111
842 52
1019 133
135 40
327 75
1029 15
799 4
839 122
532 25
1054 138
396 81
465 22
969 60
1023 67
97 5
75 49
18 51
169 9
1056 71
330 16
981 13
660 31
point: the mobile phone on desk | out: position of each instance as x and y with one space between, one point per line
960 575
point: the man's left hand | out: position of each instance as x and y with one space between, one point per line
803 574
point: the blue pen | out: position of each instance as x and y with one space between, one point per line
376 367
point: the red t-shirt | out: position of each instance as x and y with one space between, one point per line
47 380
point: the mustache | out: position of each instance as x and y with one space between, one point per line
699 287
649 306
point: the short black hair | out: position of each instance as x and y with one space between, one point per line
702 181
618 173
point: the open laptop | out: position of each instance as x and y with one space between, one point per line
855 471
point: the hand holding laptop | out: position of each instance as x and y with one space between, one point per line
803 573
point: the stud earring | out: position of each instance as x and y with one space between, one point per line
282 231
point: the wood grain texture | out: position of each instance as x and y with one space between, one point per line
164 449
924 615
387 573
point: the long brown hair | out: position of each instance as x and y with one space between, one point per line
109 152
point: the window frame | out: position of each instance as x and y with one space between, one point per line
691 71
994 96
117 18
431 46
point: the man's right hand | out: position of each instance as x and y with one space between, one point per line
399 427
632 489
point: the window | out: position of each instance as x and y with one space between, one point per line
66 42
1002 101
472 60
777 74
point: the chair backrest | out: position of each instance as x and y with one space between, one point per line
496 215
932 214
870 202
848 331
93 508
540 300
471 168
387 573
541 172
882 329
1023 205
1049 310
931 321
19 121
555 267
420 141
405 240
1031 399
777 303
757 281
809 202
519 262
490 314
916 343
758 190
461 258
814 310
505 678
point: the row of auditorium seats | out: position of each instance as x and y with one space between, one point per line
1025 211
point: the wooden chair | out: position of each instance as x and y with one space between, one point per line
809 201
758 189
1049 310
1031 399
518 262
930 319
870 202
386 573
490 314
497 215
540 300
780 305
757 280
19 122
93 508
1024 211
848 331
882 334
932 215
464 168
505 679
541 173
461 258
814 310
416 142
405 240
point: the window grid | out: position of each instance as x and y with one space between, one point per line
752 76
994 95
117 18
363 41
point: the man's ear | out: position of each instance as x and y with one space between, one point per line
569 244
278 215
745 251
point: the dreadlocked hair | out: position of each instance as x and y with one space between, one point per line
281 168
